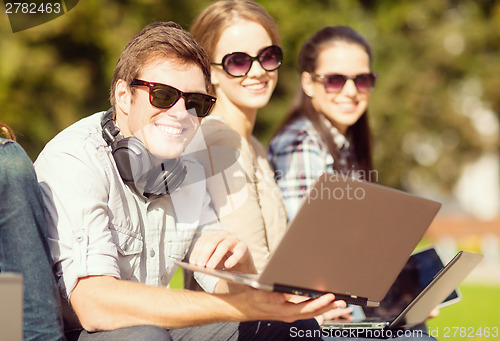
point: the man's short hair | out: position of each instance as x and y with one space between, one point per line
157 41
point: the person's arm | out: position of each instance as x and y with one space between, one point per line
104 303
23 244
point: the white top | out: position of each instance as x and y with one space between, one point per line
98 226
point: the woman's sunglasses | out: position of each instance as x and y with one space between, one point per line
364 82
238 64
165 96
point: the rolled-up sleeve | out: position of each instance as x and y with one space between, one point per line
75 188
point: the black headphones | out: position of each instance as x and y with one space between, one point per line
137 166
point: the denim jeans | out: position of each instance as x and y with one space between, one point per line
23 244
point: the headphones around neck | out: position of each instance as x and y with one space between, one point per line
138 168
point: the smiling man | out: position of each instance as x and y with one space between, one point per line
123 203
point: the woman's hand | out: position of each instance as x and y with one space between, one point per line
339 314
219 248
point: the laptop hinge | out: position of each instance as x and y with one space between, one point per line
316 293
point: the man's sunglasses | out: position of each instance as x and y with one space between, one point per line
238 64
165 96
364 82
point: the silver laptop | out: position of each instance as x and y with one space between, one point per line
11 306
417 311
349 237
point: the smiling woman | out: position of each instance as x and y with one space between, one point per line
326 129
243 45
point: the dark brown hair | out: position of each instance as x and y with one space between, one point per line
303 107
160 40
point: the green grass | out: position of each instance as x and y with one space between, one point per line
177 281
470 319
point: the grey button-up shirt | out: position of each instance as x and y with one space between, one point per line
98 226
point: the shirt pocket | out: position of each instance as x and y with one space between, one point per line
130 247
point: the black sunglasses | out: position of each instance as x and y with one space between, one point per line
364 82
164 96
238 64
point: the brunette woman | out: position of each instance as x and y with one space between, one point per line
326 129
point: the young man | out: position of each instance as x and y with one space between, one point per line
116 225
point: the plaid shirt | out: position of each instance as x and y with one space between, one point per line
298 156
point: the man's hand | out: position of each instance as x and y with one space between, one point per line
263 305
221 248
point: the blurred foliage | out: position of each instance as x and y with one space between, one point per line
435 105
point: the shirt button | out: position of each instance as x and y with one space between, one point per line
164 279
152 252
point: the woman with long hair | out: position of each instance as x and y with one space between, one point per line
242 41
326 128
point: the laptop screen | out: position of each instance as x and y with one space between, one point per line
417 273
